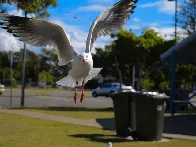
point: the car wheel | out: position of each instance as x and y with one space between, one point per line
94 94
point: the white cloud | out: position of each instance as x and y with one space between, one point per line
133 27
16 12
154 24
97 8
164 6
147 5
136 19
168 32
8 42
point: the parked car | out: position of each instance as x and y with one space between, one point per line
109 88
2 88
42 84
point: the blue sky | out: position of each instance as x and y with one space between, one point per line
157 14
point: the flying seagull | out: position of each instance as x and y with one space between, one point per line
42 33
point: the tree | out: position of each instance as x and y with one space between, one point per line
46 76
38 7
142 51
187 16
49 62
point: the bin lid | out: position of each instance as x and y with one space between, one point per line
160 97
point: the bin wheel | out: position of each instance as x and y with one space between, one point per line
94 94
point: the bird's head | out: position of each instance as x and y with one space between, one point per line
85 57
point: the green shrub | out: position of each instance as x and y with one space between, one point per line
147 84
164 85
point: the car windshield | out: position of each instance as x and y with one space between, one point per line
106 86
111 85
116 85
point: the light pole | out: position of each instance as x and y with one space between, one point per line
173 66
23 73
11 63
176 11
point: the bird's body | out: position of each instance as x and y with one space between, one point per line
42 33
81 69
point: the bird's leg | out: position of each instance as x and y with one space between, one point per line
75 94
82 95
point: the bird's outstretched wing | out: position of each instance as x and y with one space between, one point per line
110 20
40 33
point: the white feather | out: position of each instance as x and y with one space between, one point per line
110 20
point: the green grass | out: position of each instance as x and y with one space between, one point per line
83 113
20 131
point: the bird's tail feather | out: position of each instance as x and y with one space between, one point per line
69 81
93 72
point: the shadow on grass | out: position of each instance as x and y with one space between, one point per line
102 138
109 109
181 124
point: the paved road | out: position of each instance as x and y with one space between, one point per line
34 98
57 93
46 101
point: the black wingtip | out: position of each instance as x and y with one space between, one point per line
9 31
135 1
4 28
15 35
133 7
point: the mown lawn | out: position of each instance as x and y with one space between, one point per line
20 131
88 113
83 113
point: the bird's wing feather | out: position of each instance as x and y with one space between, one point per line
40 33
110 20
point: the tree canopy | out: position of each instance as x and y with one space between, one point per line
38 7
187 15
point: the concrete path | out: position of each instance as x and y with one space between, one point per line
107 124
75 121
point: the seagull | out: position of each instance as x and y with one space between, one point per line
43 33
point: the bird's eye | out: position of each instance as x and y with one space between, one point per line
86 56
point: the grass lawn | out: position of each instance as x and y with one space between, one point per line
83 113
20 131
